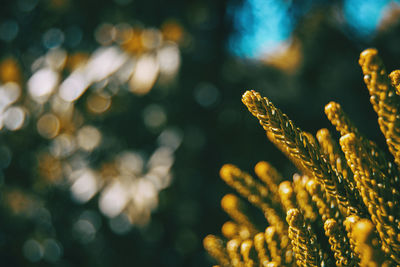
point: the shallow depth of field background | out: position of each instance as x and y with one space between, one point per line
115 116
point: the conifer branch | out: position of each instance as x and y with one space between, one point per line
351 191
304 243
384 99
298 145
303 198
248 253
235 208
377 196
233 249
316 191
349 223
368 246
232 230
215 247
273 243
339 243
261 248
255 193
345 126
270 176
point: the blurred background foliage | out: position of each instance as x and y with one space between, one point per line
116 116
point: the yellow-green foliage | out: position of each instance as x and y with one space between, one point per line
347 190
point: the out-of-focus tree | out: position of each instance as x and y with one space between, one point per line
137 104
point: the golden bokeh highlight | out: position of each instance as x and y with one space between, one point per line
88 137
98 103
172 31
10 70
17 201
76 60
151 38
50 167
133 43
288 58
48 125
124 33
